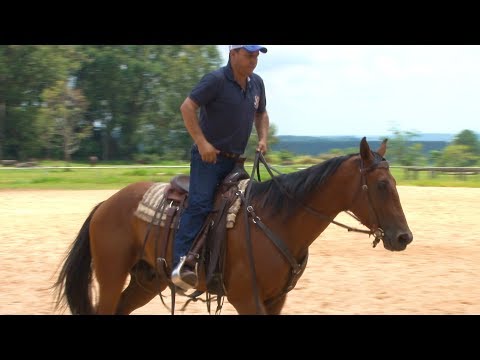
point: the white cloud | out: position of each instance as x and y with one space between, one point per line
367 90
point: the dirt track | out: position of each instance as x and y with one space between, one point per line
437 274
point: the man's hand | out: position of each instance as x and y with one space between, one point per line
262 147
208 152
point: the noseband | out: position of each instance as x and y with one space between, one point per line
375 230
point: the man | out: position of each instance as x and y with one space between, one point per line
230 99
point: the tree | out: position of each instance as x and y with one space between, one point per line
400 150
3 114
456 155
62 119
253 141
434 156
469 139
135 93
25 71
182 68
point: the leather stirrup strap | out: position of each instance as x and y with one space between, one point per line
171 211
161 260
220 229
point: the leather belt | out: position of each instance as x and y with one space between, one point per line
226 154
229 155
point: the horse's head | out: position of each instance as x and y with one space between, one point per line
378 205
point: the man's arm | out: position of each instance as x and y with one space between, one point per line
262 123
189 113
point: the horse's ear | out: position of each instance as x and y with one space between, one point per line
383 148
365 151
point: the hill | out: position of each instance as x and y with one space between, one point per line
315 145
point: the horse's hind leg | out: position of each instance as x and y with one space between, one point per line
111 281
112 259
135 295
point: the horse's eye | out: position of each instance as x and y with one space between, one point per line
382 185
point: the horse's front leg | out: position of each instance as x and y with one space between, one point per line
247 306
276 307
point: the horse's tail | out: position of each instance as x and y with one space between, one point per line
73 285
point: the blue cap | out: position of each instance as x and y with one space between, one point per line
249 48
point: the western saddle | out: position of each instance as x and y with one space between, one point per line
208 248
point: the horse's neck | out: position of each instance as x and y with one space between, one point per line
308 226
313 217
317 211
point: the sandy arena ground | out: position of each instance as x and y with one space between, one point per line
437 274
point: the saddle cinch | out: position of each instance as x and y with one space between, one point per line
208 249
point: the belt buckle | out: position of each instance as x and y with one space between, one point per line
229 155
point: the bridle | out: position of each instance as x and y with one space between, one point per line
374 229
297 268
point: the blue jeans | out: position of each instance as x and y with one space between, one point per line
204 181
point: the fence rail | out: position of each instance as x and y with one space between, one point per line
91 167
460 172
411 172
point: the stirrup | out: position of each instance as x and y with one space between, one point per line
177 279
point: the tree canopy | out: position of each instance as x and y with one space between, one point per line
112 101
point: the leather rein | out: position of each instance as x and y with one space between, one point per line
374 230
298 268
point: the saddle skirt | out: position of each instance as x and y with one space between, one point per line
155 196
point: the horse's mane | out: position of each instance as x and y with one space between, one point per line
299 185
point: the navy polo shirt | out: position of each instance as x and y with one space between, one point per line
226 111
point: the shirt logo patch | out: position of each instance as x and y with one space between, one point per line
256 102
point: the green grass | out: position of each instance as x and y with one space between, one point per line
424 178
111 178
82 178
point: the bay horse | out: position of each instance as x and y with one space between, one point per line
286 214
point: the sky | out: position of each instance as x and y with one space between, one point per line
371 90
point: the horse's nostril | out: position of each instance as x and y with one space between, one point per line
405 238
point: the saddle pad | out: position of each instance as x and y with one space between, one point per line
233 209
153 197
150 202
